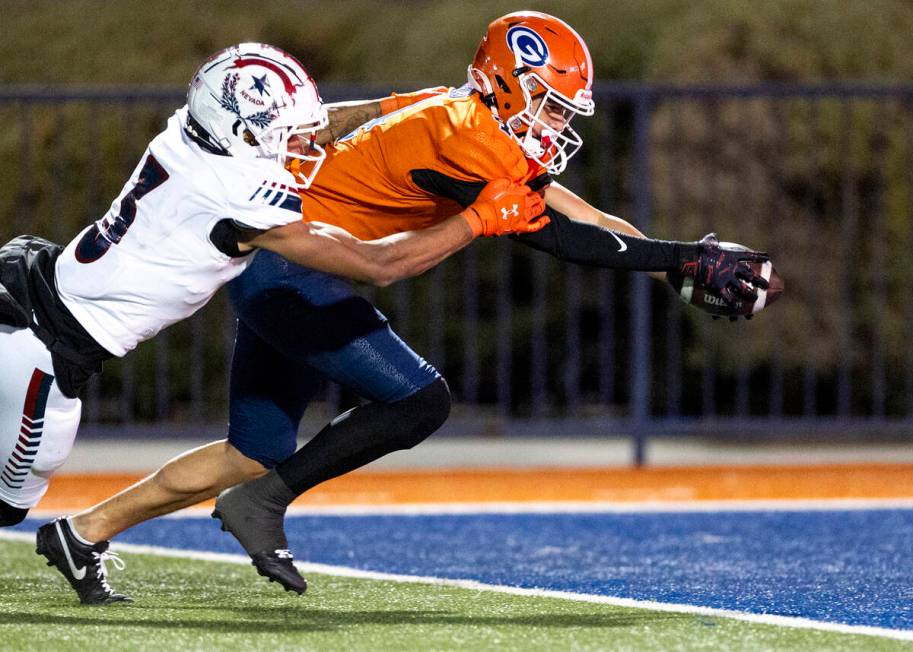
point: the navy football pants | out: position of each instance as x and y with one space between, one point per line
296 325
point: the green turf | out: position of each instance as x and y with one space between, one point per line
194 605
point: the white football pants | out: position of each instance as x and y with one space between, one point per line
37 422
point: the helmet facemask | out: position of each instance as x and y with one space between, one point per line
543 127
295 147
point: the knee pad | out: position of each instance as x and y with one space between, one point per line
424 412
10 515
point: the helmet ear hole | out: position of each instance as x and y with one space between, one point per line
249 138
502 84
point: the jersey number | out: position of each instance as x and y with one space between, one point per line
104 233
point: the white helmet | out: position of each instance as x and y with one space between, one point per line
252 100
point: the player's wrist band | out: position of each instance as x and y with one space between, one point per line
472 217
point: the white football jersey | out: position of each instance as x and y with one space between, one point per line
149 262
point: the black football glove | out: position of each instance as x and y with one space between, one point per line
724 270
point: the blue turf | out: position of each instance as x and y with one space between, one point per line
853 567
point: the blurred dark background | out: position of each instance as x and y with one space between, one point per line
785 125
358 41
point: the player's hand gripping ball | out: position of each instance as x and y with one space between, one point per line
726 279
506 207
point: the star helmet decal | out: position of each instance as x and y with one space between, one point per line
261 85
229 102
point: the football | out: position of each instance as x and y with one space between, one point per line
713 304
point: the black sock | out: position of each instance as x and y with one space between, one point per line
365 434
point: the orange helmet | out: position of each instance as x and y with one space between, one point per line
535 73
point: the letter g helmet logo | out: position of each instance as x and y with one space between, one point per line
527 45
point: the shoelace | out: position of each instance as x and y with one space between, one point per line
284 554
100 559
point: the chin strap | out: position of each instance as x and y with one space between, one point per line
203 138
490 101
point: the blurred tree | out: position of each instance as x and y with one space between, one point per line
791 175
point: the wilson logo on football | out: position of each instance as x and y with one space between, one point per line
715 301
527 45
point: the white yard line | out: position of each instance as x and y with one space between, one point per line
344 571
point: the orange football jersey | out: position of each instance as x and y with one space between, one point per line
365 184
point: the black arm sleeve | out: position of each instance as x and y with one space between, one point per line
596 246
569 240
440 185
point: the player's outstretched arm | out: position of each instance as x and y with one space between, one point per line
380 262
578 209
502 207
580 233
346 117
583 234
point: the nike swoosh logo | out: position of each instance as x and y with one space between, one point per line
621 243
78 573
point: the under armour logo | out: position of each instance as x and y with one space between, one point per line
513 212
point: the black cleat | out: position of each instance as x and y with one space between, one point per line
277 566
255 515
82 564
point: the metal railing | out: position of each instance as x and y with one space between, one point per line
821 176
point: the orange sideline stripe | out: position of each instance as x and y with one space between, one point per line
68 492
